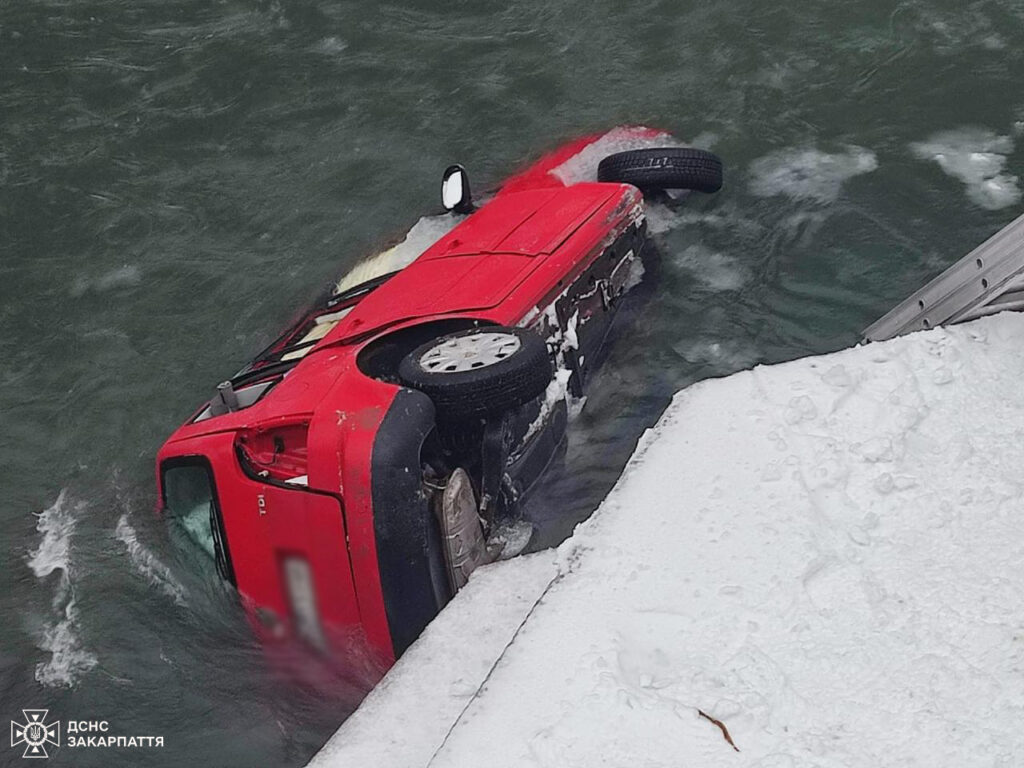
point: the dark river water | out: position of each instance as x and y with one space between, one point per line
178 177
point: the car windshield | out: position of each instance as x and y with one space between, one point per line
300 339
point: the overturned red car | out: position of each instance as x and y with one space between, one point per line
349 479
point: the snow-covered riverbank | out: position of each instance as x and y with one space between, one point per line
820 561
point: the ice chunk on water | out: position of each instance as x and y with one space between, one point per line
808 173
715 271
977 157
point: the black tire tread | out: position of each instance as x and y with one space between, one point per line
664 168
480 393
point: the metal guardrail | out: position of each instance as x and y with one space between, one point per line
989 279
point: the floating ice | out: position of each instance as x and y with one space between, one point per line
977 157
714 271
808 173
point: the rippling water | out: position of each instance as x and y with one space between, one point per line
177 177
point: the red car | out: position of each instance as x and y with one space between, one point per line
350 478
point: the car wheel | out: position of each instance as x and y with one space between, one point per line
667 168
479 372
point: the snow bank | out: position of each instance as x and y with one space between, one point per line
404 719
821 560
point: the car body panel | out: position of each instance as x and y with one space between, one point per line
480 263
532 256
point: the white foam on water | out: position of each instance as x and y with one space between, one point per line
56 524
977 157
68 659
726 356
147 564
954 31
583 165
808 173
122 277
663 218
330 46
424 233
715 271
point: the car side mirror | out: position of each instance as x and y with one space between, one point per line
455 194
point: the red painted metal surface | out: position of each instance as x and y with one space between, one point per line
502 264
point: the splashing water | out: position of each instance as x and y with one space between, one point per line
583 165
68 658
147 564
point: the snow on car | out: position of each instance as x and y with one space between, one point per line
351 477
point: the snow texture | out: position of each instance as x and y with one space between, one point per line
822 556
405 717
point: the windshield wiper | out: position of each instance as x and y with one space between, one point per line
361 289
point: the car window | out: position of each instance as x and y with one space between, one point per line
190 500
188 495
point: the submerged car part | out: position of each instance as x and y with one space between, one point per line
448 357
461 529
987 280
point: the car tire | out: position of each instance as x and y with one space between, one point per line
479 372
665 168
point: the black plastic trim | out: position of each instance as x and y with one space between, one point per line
413 575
